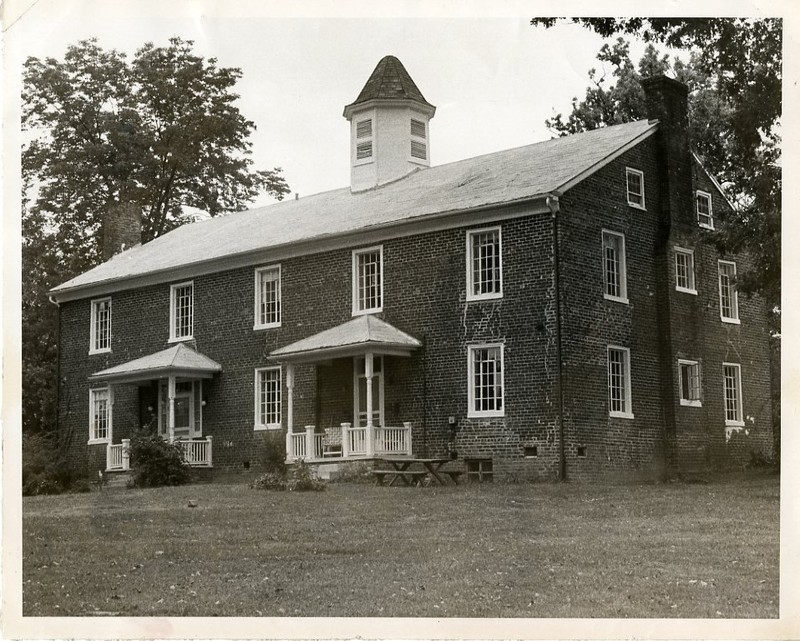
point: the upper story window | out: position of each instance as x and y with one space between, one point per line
181 311
100 329
484 264
368 280
728 296
635 183
268 297
684 270
419 147
268 398
615 281
99 414
485 386
705 213
732 389
689 380
619 382
364 139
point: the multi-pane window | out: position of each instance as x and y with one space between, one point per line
484 264
485 364
181 311
268 297
619 382
732 388
100 414
364 139
368 280
268 398
728 297
419 148
684 270
100 332
614 276
689 379
705 213
635 184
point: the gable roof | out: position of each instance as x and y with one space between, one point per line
389 81
174 361
514 176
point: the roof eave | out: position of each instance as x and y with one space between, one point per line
153 373
343 351
425 107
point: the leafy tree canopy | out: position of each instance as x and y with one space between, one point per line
734 77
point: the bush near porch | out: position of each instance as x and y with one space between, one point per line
570 550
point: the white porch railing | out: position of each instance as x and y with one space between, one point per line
197 452
349 442
118 456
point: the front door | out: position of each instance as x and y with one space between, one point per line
360 392
188 409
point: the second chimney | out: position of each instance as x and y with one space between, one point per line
122 229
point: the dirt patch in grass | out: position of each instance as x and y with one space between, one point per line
543 550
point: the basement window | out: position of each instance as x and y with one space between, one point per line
635 183
479 470
531 451
581 451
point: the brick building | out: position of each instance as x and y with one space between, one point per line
554 310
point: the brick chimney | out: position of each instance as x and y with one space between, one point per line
122 228
667 102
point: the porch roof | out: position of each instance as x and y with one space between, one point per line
178 360
357 336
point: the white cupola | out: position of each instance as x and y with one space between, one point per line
389 127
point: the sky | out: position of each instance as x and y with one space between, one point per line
494 79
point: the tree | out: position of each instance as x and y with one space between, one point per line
161 131
734 76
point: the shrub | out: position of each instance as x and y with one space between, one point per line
156 462
44 468
269 481
275 455
301 479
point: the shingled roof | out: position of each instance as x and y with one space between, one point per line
173 361
513 176
390 81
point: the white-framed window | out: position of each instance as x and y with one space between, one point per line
484 264
705 211
181 311
619 382
100 328
615 280
364 140
634 180
100 415
267 297
268 398
419 145
732 391
684 270
728 296
368 280
689 382
485 385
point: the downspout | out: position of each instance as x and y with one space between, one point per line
553 204
58 369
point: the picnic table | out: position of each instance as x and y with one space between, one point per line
407 470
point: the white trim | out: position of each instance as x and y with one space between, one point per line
372 138
734 320
172 289
640 173
110 404
685 401
710 214
354 280
257 426
686 252
623 267
93 325
471 411
381 389
257 297
470 233
628 411
740 400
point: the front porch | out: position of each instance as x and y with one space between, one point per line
348 443
196 452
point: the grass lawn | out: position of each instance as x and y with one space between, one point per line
543 550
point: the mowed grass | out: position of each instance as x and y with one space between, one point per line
543 550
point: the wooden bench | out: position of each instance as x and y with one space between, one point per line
416 476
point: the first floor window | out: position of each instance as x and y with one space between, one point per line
705 214
485 380
614 276
268 297
268 398
368 280
689 382
732 388
181 311
100 414
684 270
635 183
484 264
619 382
728 298
100 333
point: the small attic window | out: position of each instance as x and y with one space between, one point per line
417 128
364 128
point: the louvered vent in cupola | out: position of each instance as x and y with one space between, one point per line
364 150
419 150
417 128
364 129
419 147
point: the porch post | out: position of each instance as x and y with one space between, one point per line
310 449
289 410
368 373
126 454
171 414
